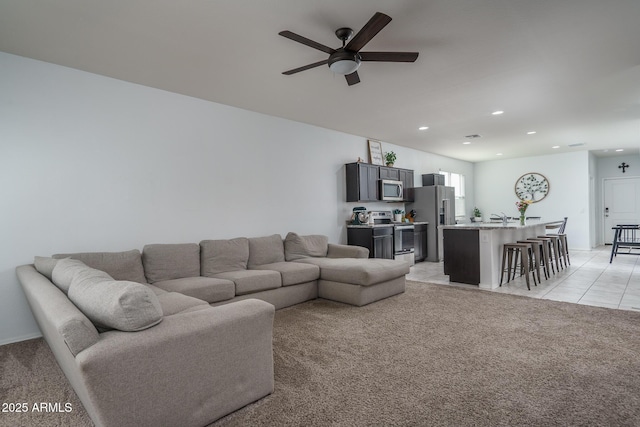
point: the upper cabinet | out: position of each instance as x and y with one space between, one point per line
390 173
363 181
406 176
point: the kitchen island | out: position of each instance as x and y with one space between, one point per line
473 252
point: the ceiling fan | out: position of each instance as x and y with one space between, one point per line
346 59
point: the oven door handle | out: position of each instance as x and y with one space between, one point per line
405 227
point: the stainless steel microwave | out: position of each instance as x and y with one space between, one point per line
390 190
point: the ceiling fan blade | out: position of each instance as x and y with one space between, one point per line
298 38
306 67
389 56
352 78
371 28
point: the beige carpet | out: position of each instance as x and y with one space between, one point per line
435 355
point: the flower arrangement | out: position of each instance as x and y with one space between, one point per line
522 206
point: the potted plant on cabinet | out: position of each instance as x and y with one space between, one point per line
477 215
390 158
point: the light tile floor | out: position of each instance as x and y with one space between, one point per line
589 280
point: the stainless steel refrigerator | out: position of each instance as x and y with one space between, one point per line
436 205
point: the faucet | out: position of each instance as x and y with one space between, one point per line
503 217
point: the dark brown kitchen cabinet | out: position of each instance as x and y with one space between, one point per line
462 255
379 240
406 176
390 173
363 185
420 242
362 182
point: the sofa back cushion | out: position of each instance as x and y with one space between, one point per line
113 304
171 261
297 247
67 269
265 250
125 265
221 256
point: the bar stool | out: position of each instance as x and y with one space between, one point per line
545 261
562 243
536 257
511 251
555 248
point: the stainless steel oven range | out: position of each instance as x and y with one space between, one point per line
403 235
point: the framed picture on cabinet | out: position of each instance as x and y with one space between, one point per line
375 153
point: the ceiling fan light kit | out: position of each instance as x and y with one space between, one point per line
346 60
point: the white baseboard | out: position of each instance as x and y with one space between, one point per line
22 338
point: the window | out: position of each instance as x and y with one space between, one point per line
456 181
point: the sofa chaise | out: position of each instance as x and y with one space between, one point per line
181 334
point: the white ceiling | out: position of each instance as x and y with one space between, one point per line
567 69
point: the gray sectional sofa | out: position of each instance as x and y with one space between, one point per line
180 334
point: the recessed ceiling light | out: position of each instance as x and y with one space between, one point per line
531 132
620 149
498 154
423 128
467 142
497 113
556 146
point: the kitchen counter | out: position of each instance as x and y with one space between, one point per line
513 225
349 225
473 252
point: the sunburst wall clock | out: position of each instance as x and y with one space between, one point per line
532 186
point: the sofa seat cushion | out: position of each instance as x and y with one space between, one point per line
171 261
293 273
174 302
207 289
221 256
250 281
125 265
358 271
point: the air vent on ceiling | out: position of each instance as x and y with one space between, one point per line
475 135
577 144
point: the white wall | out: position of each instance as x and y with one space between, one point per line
89 163
568 175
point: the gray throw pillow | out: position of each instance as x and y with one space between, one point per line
112 304
66 269
297 247
45 265
125 265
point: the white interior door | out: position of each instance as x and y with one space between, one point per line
621 204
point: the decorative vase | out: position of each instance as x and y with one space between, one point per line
522 221
390 164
